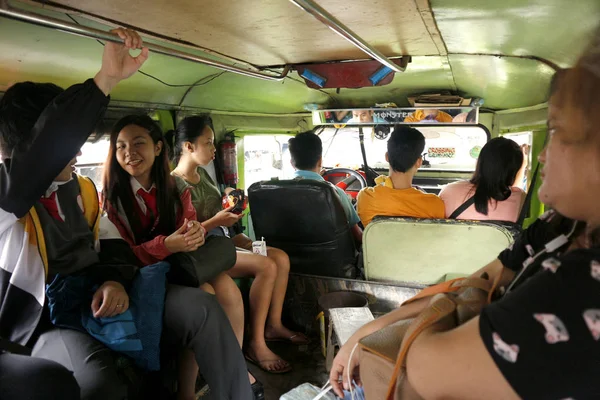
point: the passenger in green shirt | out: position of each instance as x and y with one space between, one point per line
193 146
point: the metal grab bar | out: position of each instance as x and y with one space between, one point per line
42 20
330 21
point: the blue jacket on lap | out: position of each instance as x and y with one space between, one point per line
135 333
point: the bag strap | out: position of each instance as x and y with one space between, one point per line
441 308
462 208
452 286
442 305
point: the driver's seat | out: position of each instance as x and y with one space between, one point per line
305 218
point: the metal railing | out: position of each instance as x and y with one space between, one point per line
331 22
63 26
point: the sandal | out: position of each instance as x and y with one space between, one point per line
262 364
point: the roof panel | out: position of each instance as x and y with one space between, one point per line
274 32
556 30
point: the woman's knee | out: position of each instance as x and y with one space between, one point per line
281 259
208 288
268 268
227 291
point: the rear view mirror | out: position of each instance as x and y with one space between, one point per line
395 116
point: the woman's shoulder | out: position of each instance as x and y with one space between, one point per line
581 265
180 183
204 175
456 187
517 191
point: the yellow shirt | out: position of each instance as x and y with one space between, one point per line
419 116
386 201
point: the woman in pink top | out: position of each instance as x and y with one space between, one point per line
499 167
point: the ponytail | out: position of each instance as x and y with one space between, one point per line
170 145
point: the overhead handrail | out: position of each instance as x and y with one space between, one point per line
335 25
42 20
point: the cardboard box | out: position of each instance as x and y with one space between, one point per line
438 100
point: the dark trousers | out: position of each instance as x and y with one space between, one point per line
193 320
31 378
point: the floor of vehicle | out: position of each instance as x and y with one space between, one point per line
308 366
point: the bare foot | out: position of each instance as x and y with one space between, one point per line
284 334
266 360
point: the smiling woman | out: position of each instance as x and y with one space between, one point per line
136 152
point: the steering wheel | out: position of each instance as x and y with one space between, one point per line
354 176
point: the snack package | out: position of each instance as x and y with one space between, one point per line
236 199
260 247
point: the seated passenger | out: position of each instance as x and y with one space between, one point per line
306 151
466 117
428 115
493 190
365 117
193 146
159 223
48 227
541 340
396 197
342 116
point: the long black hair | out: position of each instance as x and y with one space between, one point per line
116 182
188 130
497 167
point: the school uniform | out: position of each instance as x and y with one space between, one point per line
48 228
219 361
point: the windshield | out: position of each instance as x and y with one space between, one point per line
447 148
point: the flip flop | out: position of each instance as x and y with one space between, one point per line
261 364
291 339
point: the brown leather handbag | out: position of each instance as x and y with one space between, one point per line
383 354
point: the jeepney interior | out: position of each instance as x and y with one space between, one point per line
268 69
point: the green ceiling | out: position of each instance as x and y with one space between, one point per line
555 30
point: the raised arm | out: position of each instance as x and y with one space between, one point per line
63 127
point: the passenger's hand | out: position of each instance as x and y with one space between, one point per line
117 63
525 148
194 235
339 369
109 300
227 218
188 237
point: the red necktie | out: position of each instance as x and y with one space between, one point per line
150 201
51 206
